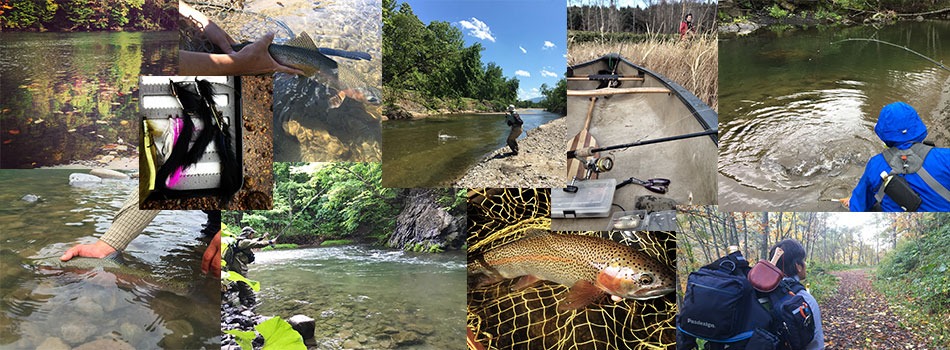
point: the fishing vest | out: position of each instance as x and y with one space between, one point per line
904 162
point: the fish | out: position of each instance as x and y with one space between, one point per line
113 264
590 266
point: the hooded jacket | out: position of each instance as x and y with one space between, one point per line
900 126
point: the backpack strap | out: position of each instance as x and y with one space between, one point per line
910 161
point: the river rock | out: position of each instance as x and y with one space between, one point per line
303 325
82 180
362 338
87 306
423 221
346 334
31 198
407 338
130 332
106 344
351 344
76 333
182 334
385 344
390 330
52 343
421 328
108 174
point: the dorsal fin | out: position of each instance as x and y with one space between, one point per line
304 41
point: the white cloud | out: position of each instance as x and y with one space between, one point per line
525 95
523 73
477 29
522 49
535 90
547 73
548 45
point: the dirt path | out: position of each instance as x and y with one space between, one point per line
858 317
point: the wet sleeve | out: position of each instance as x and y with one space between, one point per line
862 198
128 223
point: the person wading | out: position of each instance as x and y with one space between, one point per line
514 121
239 255
910 175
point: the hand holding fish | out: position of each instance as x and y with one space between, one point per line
96 250
255 59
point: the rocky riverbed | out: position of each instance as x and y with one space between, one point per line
539 163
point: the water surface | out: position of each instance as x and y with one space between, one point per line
435 151
175 308
381 298
63 96
797 113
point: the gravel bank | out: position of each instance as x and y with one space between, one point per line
540 162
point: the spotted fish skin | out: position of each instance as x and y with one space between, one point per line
574 260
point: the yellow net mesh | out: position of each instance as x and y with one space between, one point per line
528 319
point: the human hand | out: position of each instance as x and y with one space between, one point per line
96 250
255 59
211 261
219 37
846 202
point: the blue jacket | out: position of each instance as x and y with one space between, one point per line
900 126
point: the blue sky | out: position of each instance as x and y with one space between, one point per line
527 39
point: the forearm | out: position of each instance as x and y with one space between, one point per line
200 63
128 223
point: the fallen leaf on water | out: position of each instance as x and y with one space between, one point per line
71 130
101 122
7 142
124 122
38 121
6 110
101 137
14 132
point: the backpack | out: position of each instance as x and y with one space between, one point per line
721 307
904 162
231 255
515 120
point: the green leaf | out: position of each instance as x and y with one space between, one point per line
243 338
278 334
236 277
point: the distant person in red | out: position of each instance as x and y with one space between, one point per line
687 31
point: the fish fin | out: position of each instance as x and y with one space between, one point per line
483 279
580 295
303 40
535 232
525 282
353 55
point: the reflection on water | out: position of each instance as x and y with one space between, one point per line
798 113
435 151
379 298
64 96
160 300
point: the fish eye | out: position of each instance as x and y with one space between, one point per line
646 279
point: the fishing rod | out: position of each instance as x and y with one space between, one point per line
586 152
291 223
897 46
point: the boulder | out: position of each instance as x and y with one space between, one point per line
52 343
76 333
303 325
407 338
82 180
30 198
424 221
108 174
105 344
351 344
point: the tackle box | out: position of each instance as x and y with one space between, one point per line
592 199
157 103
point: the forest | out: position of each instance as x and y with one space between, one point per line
873 262
341 203
433 60
88 15
805 11
659 17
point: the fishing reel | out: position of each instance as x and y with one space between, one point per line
593 165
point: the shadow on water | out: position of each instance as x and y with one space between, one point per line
377 297
159 300
435 151
64 96
797 113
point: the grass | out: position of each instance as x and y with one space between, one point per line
693 64
281 246
933 322
331 243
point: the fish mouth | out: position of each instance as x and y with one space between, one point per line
651 294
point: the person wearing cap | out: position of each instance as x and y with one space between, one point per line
925 168
241 256
514 121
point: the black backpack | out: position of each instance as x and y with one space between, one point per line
721 307
231 255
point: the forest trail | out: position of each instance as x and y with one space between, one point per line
858 317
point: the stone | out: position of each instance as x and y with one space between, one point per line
385 344
421 328
82 180
108 174
106 159
346 334
76 333
407 338
87 306
130 332
30 198
390 330
52 343
181 334
105 344
362 338
303 325
351 344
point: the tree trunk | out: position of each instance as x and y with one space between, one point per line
764 240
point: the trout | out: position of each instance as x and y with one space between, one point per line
112 264
591 266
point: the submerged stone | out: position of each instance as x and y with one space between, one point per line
105 344
52 343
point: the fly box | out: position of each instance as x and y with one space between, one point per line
591 200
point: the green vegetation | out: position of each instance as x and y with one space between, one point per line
432 60
777 12
88 15
277 334
281 246
828 10
331 243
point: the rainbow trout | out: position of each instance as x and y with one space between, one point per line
301 53
113 265
591 266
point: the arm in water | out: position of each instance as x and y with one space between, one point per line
255 61
129 222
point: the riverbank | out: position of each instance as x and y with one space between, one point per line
539 163
411 105
735 18
941 116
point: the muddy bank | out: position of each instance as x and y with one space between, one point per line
540 162
941 116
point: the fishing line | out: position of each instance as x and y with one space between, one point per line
897 46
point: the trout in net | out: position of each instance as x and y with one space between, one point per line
591 266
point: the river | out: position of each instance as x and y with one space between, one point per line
381 298
177 308
797 113
437 150
63 96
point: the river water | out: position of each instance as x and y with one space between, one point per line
437 150
797 113
63 96
379 297
176 309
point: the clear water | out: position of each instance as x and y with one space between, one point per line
375 296
177 308
416 155
63 96
797 113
